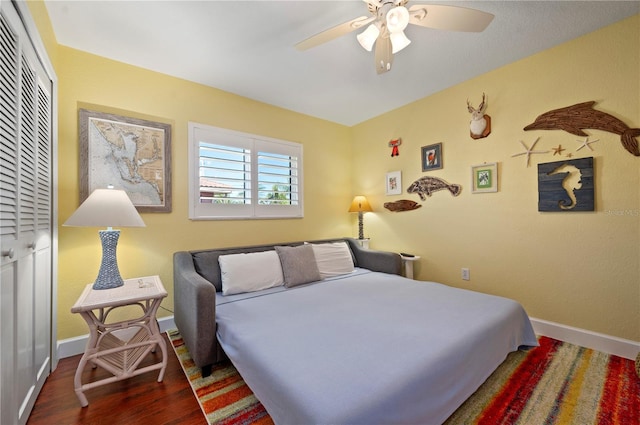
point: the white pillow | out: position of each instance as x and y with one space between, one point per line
250 272
333 259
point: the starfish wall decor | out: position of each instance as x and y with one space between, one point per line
586 143
529 151
558 150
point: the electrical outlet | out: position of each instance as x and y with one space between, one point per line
465 273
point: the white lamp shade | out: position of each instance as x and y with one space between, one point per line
369 36
106 208
397 19
398 41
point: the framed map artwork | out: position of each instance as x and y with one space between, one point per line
131 154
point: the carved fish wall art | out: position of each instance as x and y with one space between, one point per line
402 205
575 118
427 185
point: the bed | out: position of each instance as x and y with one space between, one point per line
337 336
367 347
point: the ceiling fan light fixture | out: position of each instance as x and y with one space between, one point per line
384 66
398 41
397 19
369 36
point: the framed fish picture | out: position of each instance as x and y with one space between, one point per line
432 157
484 178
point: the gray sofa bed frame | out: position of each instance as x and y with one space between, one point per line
196 280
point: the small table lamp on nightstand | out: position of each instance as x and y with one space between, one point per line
361 206
107 208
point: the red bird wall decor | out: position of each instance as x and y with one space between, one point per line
393 144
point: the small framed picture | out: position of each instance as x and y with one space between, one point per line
394 183
484 178
432 157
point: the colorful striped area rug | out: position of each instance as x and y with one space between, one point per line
556 383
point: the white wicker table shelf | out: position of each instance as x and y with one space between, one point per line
119 347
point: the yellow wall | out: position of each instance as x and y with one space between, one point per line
89 81
578 269
40 17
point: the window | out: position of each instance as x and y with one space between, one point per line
235 175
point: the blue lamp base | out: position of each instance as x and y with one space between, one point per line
109 275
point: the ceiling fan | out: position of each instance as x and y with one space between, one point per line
389 20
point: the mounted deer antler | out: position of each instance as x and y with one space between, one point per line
480 125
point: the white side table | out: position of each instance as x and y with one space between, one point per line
109 346
408 265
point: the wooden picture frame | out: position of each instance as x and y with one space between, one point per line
431 157
129 153
394 183
484 178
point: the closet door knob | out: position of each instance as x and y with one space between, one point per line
9 253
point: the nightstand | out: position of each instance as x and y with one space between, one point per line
119 347
408 265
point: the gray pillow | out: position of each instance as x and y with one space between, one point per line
298 265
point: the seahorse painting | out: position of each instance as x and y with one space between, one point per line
566 185
570 183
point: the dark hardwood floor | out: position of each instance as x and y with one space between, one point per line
138 400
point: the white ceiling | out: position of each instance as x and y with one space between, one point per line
247 47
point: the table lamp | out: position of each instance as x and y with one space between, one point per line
110 208
361 206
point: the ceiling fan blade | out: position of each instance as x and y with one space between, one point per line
334 32
383 55
451 18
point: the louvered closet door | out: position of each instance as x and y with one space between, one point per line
25 221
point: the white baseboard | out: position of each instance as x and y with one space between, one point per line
74 346
584 338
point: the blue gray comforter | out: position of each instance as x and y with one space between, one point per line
368 348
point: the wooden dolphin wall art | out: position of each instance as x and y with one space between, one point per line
575 118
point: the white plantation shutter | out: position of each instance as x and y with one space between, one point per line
278 178
8 136
43 167
236 175
27 185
